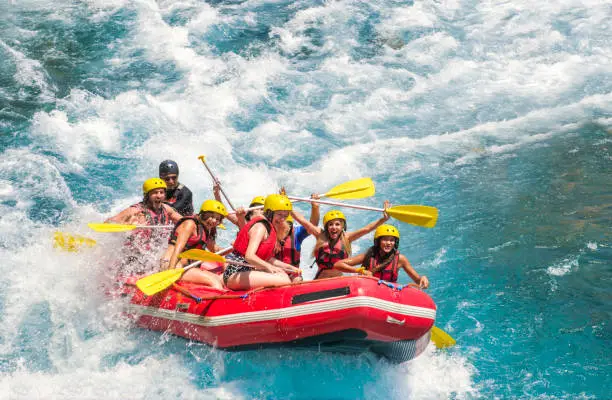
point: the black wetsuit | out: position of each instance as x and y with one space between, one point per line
180 199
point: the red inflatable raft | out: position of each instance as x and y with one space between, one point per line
352 314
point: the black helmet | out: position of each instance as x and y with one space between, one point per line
168 167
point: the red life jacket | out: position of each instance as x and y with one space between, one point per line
288 253
266 247
141 239
197 241
389 273
329 254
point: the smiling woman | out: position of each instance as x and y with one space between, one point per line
196 232
333 241
255 244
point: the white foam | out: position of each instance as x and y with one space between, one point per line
432 375
29 73
563 267
150 378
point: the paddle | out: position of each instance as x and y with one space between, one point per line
159 281
72 243
441 339
355 189
196 254
216 181
425 216
123 227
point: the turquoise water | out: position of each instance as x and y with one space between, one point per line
497 113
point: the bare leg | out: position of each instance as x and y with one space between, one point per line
329 273
253 279
204 277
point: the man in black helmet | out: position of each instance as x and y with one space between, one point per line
177 195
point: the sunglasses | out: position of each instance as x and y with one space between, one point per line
170 178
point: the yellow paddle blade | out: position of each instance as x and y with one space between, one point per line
221 226
416 215
355 189
72 243
441 339
155 283
202 255
111 227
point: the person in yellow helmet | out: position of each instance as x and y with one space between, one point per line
383 260
138 253
252 264
333 240
196 232
151 210
257 201
292 236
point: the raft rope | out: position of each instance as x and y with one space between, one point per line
218 297
399 288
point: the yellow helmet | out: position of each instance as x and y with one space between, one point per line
277 202
386 230
214 206
257 200
333 214
153 183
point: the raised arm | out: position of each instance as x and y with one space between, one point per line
315 214
237 218
354 235
309 226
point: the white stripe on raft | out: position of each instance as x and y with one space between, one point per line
287 312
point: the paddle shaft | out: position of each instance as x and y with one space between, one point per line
193 264
331 193
217 181
152 226
335 203
248 209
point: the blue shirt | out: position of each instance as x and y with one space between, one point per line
299 234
